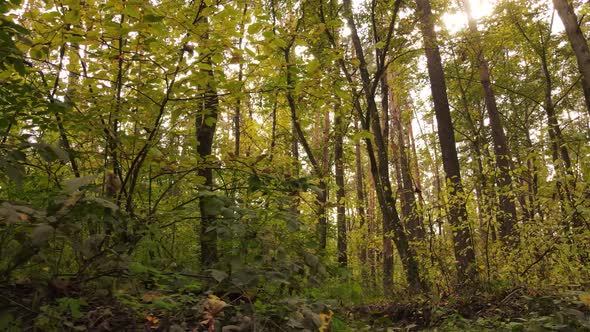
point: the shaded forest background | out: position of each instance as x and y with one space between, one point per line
289 158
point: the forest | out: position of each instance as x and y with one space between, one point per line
294 165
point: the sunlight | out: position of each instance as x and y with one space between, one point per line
481 8
455 21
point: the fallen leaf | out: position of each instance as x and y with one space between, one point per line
326 319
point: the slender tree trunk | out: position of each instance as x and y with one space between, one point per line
340 192
416 174
360 206
322 195
560 153
380 171
372 232
438 196
206 121
579 43
273 134
462 241
409 207
507 214
65 142
483 196
238 109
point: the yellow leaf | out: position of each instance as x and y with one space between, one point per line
152 319
585 298
326 318
215 305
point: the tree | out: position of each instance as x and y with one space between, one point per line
339 130
206 120
379 162
578 42
462 244
507 215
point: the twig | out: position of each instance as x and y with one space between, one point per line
545 253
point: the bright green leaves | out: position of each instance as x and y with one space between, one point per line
210 121
134 11
217 58
255 28
72 17
153 18
11 55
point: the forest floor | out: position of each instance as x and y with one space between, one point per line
23 307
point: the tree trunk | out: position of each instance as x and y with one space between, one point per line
559 151
206 121
322 196
380 171
507 213
462 242
484 196
340 193
576 37
360 206
238 109
413 220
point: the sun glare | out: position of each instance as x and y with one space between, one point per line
481 8
455 21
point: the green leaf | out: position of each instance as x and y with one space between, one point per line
103 202
57 107
50 153
14 171
153 18
138 268
72 16
217 58
210 121
77 183
41 234
218 275
254 28
132 11
211 205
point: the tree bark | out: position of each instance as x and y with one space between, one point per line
322 195
507 214
340 192
206 121
560 154
238 110
410 211
360 206
462 241
380 171
579 44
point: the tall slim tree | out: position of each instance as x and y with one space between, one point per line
413 220
507 214
579 44
339 128
462 242
206 121
379 160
